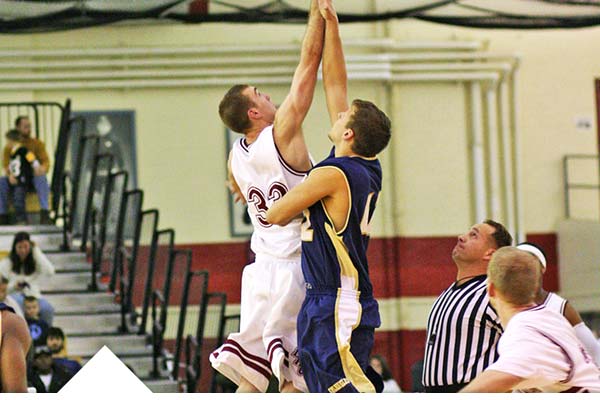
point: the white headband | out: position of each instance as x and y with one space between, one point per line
535 251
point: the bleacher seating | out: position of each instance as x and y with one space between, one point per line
114 264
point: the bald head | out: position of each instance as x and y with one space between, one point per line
515 275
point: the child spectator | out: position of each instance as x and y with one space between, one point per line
9 301
25 267
379 364
57 344
45 375
37 328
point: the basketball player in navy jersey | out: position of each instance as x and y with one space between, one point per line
15 342
338 318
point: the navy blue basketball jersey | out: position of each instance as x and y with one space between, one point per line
330 259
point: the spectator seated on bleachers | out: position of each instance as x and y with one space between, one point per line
8 300
26 267
44 374
36 159
38 328
380 365
57 343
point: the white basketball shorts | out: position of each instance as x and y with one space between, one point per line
272 292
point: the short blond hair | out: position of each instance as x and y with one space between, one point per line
515 274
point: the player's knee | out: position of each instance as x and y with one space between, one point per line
246 387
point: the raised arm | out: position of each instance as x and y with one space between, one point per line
290 115
335 77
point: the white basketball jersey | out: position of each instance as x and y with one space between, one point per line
264 177
555 303
540 345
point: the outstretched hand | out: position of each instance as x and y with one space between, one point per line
327 10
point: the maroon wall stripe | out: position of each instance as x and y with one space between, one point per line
405 266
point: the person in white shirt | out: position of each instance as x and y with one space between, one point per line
25 268
539 350
562 306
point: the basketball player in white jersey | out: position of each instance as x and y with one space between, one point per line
562 306
15 342
538 349
270 160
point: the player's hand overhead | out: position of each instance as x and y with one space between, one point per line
327 10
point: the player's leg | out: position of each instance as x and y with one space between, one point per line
246 387
326 327
242 358
280 335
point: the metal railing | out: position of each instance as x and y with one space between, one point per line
82 156
160 257
201 292
60 155
96 192
569 186
130 210
108 219
158 331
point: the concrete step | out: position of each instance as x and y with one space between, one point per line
92 324
121 345
64 282
162 385
46 241
67 258
87 309
11 230
75 267
141 365
70 303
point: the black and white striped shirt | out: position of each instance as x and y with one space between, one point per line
462 335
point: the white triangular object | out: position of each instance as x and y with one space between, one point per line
105 374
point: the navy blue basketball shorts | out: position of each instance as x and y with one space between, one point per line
335 338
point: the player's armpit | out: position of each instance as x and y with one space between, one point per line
491 381
320 183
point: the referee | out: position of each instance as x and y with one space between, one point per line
463 329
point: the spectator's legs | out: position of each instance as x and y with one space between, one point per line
19 193
4 191
43 190
46 311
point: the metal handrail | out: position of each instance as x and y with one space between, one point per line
130 194
158 330
93 286
66 217
77 169
60 154
124 292
91 192
190 275
170 233
568 186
